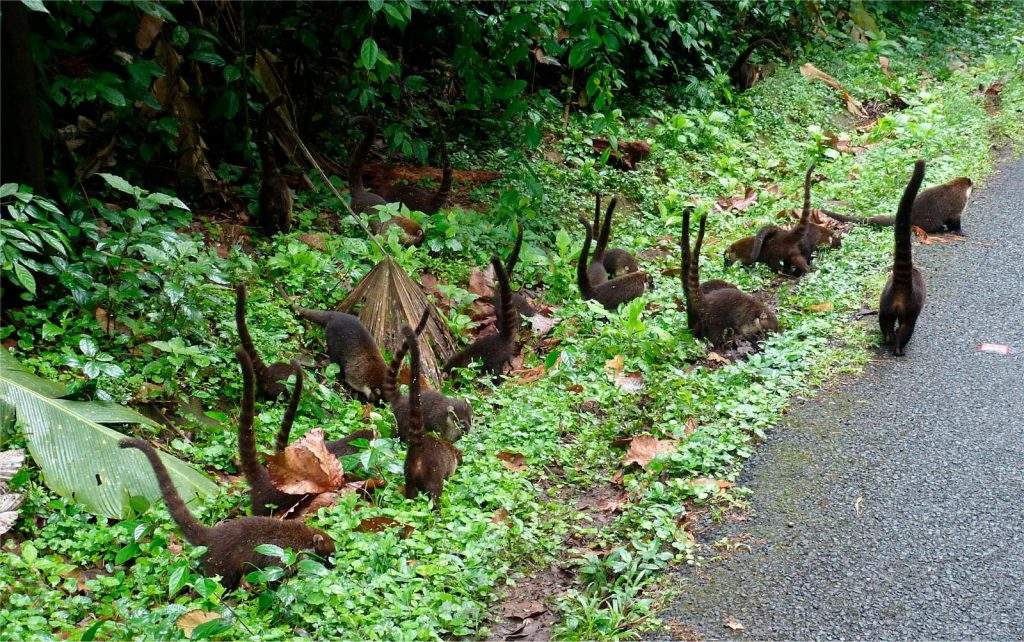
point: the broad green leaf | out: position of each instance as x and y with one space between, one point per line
369 53
7 189
78 455
35 5
25 278
120 184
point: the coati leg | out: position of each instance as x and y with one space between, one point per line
903 334
887 324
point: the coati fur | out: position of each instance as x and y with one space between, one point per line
265 498
743 73
790 251
628 154
275 199
450 417
417 198
350 345
496 350
935 209
747 250
613 293
230 544
429 460
904 294
363 200
519 302
597 273
717 312
616 261
270 379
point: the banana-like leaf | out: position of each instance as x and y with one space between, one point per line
78 455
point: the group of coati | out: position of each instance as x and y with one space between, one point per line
429 422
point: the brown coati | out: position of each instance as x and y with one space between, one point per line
270 379
350 345
363 200
275 199
613 293
519 302
937 208
230 544
616 261
789 251
747 250
429 460
904 293
417 198
496 350
450 417
265 498
743 73
412 232
719 314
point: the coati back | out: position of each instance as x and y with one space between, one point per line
613 293
429 460
451 417
265 498
720 314
616 261
275 200
350 345
743 74
362 199
270 379
747 250
496 350
937 208
230 544
904 294
788 251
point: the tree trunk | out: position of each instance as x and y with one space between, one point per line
22 159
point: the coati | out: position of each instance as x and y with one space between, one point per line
362 199
611 294
417 198
616 261
265 498
743 73
350 345
496 350
790 251
626 156
720 314
519 302
936 208
270 379
230 544
904 293
597 273
275 199
747 250
450 417
429 460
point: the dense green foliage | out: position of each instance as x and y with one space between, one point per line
133 302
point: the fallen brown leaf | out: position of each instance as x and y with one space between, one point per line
691 426
500 516
542 325
306 466
841 143
883 62
189 621
921 235
612 504
853 105
720 484
512 461
529 375
629 382
734 624
714 356
738 203
149 29
644 448
825 306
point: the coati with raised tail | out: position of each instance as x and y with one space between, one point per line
270 379
935 209
597 273
904 294
613 293
450 417
364 200
743 74
720 314
616 261
350 345
496 350
417 198
265 498
790 251
747 250
230 544
519 302
275 200
429 460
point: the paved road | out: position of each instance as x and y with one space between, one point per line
893 507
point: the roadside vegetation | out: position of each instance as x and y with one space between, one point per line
586 467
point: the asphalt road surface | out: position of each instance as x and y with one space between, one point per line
893 507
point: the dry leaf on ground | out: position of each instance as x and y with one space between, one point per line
513 461
719 484
644 448
542 325
883 62
733 624
189 621
740 203
528 375
852 104
481 282
500 516
825 306
306 466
